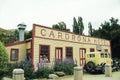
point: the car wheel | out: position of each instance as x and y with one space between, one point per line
90 66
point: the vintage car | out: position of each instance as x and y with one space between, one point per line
95 61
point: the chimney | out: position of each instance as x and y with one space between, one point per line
21 28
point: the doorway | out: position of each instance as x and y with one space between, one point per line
82 53
58 54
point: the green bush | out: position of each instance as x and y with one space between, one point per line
28 70
59 67
3 60
11 67
29 73
67 66
43 72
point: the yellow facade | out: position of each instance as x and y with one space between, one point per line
21 50
58 39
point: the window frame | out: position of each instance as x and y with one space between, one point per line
106 50
28 51
48 52
91 55
17 55
92 49
102 55
106 55
66 52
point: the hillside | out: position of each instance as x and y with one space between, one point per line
8 36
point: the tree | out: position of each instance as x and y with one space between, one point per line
55 26
8 36
60 26
115 37
3 59
28 34
16 35
80 25
110 30
75 26
90 29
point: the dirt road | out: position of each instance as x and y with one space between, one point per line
86 76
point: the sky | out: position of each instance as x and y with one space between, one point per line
49 12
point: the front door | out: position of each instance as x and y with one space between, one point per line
82 53
58 54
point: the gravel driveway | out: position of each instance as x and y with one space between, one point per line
86 76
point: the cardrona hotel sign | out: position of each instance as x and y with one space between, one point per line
51 34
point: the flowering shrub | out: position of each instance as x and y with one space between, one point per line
43 72
44 69
67 66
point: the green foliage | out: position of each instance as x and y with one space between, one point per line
3 59
29 73
11 67
69 68
110 30
28 34
66 66
3 56
90 29
43 72
28 70
8 36
59 67
78 27
60 26
75 26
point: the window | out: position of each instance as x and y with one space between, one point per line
14 55
106 55
99 50
92 55
102 55
44 53
92 49
69 52
28 54
106 50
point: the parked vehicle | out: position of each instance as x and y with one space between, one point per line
115 65
95 61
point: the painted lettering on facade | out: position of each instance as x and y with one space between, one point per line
66 36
